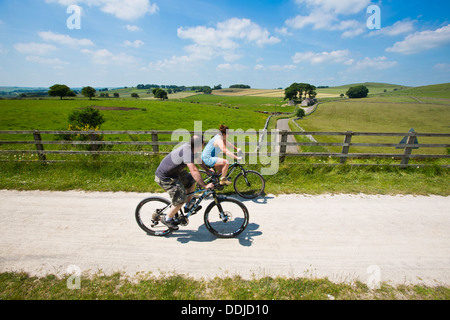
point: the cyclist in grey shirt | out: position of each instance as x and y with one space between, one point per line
172 177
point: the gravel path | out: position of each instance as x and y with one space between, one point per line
398 239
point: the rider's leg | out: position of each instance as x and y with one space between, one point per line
222 165
174 209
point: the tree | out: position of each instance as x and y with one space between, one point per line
300 113
59 90
207 90
88 92
240 86
160 93
116 95
87 117
290 93
71 94
296 91
357 92
311 91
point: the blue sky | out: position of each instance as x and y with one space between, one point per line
265 44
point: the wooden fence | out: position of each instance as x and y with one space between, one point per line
277 145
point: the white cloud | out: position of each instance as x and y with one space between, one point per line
377 63
421 41
318 19
443 67
105 57
226 33
323 20
132 28
337 56
129 9
36 59
35 48
284 31
324 15
122 9
134 44
174 63
233 67
337 6
64 39
397 28
221 41
276 67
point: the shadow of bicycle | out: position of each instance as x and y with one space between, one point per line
262 199
202 234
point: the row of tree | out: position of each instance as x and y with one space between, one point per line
299 91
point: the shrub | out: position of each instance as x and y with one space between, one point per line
357 92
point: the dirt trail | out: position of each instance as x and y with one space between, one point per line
401 239
283 124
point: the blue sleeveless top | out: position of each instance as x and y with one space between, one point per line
210 151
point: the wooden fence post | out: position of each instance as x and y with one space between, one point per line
408 150
284 138
39 145
155 147
346 146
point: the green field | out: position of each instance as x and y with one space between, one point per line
425 109
437 91
381 113
374 88
139 115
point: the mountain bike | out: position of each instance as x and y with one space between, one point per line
248 184
224 217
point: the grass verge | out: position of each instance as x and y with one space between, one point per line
292 177
15 286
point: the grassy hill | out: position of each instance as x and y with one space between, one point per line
374 88
331 92
440 91
426 109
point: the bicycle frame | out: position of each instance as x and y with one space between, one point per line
230 171
205 194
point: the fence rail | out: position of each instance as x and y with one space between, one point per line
278 144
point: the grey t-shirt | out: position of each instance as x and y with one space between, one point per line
175 162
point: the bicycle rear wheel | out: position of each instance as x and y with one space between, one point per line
249 184
227 218
148 214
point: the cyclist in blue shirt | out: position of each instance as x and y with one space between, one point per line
216 145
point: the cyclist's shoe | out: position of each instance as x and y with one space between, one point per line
171 223
224 181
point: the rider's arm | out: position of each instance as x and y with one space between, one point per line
231 145
196 175
224 149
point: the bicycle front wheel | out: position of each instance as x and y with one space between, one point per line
149 213
249 184
227 218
